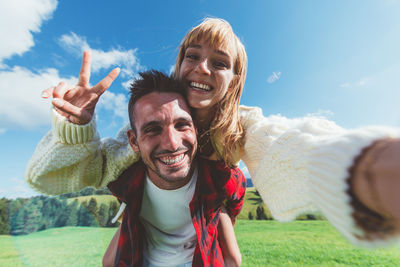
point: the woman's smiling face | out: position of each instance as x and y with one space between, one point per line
208 72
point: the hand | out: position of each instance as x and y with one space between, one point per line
77 104
377 179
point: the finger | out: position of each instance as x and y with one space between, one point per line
46 93
84 75
106 82
67 108
60 90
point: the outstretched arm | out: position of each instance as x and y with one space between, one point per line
308 165
71 155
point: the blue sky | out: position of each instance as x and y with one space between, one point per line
337 59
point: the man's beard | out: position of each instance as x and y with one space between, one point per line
151 163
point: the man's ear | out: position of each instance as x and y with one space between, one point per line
132 140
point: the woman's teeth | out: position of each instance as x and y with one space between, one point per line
171 160
200 86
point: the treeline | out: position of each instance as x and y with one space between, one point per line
260 212
27 215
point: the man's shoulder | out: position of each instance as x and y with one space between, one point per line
131 179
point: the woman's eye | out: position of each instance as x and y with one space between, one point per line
191 56
220 64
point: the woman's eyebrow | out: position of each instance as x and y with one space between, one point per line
218 51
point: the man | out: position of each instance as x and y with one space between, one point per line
177 211
171 216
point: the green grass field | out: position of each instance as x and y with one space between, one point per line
262 243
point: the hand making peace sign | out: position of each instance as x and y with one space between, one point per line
77 103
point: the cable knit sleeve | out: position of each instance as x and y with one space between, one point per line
302 165
71 157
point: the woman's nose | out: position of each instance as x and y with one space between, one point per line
202 67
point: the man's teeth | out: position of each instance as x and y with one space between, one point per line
200 86
171 160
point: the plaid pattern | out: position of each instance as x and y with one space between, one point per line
216 185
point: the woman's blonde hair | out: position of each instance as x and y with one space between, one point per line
225 125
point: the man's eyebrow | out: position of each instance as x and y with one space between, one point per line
187 119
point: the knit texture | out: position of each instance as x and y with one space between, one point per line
297 165
71 157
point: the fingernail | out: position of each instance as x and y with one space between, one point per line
58 102
45 94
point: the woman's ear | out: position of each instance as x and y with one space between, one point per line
132 140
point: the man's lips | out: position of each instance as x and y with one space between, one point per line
171 160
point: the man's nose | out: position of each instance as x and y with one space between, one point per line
172 140
202 67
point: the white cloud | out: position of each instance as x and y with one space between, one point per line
21 104
127 84
171 69
19 19
2 130
126 59
360 83
274 77
116 103
321 113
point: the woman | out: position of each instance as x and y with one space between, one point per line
299 165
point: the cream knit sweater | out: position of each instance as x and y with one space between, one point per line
297 165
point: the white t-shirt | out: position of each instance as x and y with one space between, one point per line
165 215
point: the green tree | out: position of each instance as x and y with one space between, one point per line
4 217
102 215
85 218
92 206
261 213
73 209
87 191
103 191
251 217
27 220
62 214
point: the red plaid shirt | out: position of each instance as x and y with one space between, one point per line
215 184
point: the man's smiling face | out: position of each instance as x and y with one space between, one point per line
165 138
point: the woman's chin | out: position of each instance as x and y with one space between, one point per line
200 104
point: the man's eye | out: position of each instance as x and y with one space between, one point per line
183 125
152 130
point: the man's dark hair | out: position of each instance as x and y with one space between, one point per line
149 82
